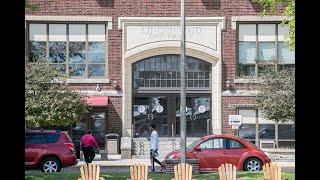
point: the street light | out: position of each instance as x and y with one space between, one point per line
183 85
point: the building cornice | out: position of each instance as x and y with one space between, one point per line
123 20
107 19
256 18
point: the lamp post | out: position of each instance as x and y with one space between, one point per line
183 85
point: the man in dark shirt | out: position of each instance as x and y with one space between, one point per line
88 142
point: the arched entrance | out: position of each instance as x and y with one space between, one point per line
156 96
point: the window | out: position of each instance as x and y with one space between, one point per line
41 138
261 46
35 138
164 71
77 50
213 144
267 128
51 138
233 144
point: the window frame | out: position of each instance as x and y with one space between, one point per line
67 23
258 62
276 127
149 62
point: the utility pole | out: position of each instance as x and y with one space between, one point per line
183 85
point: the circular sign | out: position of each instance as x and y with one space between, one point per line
97 124
141 109
202 109
159 109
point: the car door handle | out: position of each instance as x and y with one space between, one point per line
224 152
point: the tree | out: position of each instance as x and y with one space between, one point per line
269 6
30 7
50 103
276 98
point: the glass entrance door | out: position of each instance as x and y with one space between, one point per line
198 116
164 113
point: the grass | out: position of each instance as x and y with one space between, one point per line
37 175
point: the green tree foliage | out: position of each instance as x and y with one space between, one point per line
30 7
269 6
49 102
276 98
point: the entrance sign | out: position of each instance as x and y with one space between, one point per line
235 126
159 109
202 109
141 109
235 120
139 35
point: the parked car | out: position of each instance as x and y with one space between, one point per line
214 150
49 150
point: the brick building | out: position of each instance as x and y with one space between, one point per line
125 56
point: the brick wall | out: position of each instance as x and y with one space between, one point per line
155 8
229 108
114 124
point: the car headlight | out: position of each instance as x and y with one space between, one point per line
171 156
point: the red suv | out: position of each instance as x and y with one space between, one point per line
49 150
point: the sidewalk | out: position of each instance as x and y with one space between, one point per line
114 160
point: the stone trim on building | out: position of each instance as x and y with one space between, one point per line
235 19
240 93
71 18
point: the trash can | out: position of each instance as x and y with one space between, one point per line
77 148
112 144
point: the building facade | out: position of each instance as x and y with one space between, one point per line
124 55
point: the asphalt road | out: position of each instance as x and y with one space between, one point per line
126 169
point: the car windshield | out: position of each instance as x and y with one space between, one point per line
194 143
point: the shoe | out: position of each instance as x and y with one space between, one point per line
163 166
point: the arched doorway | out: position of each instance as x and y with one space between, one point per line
156 96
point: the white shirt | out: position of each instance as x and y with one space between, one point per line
154 140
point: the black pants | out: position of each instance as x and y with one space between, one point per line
89 154
153 159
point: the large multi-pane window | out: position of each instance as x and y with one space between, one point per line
79 50
164 71
268 130
262 45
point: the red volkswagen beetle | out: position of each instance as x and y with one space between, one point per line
214 150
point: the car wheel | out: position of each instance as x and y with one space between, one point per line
253 164
50 165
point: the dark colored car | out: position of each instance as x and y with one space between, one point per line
49 150
214 150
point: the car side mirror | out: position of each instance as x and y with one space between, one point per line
197 148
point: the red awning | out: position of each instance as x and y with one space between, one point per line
97 101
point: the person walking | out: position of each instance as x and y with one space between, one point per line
88 143
154 145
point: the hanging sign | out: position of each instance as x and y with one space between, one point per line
202 109
159 109
235 126
141 109
235 119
